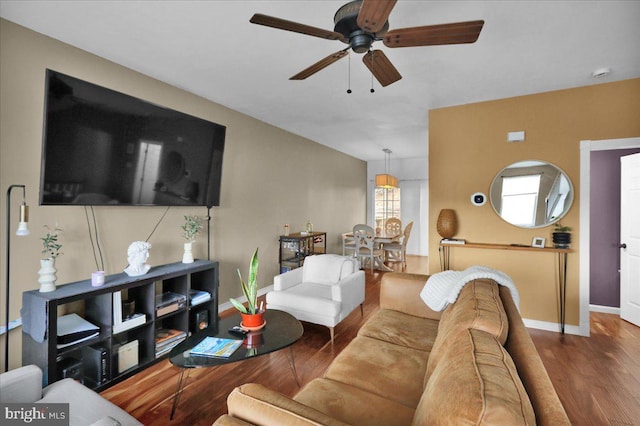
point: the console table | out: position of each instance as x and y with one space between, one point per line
562 264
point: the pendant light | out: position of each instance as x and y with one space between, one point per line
387 180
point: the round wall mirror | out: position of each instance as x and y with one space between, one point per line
531 194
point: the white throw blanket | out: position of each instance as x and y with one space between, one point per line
443 288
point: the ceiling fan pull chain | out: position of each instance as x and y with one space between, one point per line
371 52
349 85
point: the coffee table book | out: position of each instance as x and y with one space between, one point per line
216 347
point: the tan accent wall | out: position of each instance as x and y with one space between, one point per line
467 148
270 177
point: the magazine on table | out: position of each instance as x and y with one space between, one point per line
216 347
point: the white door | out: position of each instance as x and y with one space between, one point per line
630 239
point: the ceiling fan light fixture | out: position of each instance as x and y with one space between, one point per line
361 43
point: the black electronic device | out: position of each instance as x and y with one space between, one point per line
96 364
478 199
238 330
103 147
70 368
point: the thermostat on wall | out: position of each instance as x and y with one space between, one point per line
478 199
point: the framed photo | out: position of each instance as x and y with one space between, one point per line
538 242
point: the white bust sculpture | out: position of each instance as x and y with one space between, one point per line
138 253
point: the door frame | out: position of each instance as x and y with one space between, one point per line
586 147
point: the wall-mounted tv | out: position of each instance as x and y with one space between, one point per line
102 147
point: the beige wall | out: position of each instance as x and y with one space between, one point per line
270 177
467 148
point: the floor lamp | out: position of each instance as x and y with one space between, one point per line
22 231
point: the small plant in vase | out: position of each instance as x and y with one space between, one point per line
561 236
190 228
51 250
252 314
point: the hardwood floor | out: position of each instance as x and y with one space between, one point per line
597 378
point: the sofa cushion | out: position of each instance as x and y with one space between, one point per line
475 382
391 371
352 405
401 329
478 306
259 405
85 405
21 385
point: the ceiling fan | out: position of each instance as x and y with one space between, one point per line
360 23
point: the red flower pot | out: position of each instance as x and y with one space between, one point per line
252 320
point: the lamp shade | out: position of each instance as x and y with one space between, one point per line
386 181
447 223
24 218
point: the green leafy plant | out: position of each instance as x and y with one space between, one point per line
191 227
51 243
559 228
249 288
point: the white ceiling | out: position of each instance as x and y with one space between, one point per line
209 48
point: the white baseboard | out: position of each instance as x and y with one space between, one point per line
604 309
227 305
553 326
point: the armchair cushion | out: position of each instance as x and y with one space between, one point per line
307 297
327 269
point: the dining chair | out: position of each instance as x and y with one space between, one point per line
366 247
393 226
397 251
348 244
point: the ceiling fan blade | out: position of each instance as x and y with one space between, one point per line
381 67
432 35
374 13
283 24
321 64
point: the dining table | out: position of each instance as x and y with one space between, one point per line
379 239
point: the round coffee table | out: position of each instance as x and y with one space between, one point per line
280 331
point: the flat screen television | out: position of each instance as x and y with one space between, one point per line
102 147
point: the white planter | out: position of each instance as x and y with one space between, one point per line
47 274
187 257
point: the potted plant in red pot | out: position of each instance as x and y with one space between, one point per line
252 315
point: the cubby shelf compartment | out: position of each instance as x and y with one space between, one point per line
95 304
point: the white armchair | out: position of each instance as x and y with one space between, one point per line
24 385
326 289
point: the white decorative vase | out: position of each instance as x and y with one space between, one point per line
47 274
187 257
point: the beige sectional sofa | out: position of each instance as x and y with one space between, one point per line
473 363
